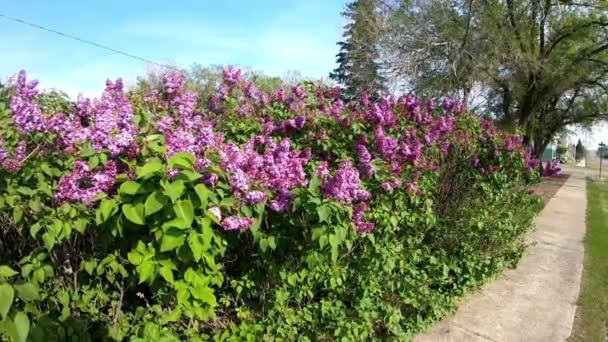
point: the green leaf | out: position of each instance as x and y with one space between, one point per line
49 240
203 194
205 294
150 169
135 257
314 185
196 243
8 328
89 266
174 190
272 243
185 211
228 202
7 272
134 213
151 332
34 229
182 161
394 221
323 239
7 294
25 191
17 214
130 188
264 245
22 323
324 212
107 208
167 274
168 264
93 162
155 202
246 210
35 204
80 225
334 242
171 240
188 176
174 316
27 291
318 232
292 279
146 271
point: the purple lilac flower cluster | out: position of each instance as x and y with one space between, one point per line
385 145
513 143
3 152
278 168
232 75
252 100
344 186
26 114
358 213
237 223
551 168
12 164
530 162
290 124
407 148
113 127
83 184
183 129
109 120
364 159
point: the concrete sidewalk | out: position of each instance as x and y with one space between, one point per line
536 301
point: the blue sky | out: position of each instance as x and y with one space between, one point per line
271 36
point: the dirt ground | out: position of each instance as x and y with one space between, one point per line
549 186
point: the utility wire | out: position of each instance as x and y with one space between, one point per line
81 40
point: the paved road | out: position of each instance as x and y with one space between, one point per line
536 301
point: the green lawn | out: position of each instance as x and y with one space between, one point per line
591 322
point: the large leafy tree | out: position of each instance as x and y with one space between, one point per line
537 65
358 60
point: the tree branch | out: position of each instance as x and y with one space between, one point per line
562 37
514 25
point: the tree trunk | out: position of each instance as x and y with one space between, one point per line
466 95
539 147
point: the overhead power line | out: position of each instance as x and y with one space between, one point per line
81 40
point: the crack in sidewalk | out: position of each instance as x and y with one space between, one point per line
473 332
551 244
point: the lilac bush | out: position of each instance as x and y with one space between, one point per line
244 213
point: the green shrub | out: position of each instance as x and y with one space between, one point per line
266 217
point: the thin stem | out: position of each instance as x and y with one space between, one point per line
31 153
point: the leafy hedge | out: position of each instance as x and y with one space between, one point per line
157 215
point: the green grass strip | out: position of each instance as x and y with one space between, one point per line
591 322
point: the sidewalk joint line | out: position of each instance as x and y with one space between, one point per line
557 246
473 332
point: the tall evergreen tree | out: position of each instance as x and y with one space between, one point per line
358 60
580 150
